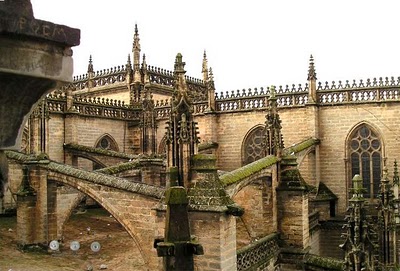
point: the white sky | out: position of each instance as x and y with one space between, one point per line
249 43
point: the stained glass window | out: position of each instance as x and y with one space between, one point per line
366 159
253 146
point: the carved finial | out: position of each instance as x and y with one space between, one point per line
90 66
179 64
312 75
136 48
144 64
204 69
128 63
211 75
210 82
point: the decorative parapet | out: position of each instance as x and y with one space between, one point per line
375 90
102 78
258 254
93 106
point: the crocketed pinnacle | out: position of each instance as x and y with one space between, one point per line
136 39
205 65
90 66
144 64
312 75
210 81
128 63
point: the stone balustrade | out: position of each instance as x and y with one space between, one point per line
258 254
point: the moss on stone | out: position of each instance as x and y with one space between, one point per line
301 146
248 170
120 168
176 195
324 262
105 152
203 162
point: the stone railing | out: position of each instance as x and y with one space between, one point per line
375 90
258 254
98 107
101 78
106 108
258 98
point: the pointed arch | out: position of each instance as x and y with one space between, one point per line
107 142
252 146
365 156
162 147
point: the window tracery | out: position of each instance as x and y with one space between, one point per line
253 146
365 148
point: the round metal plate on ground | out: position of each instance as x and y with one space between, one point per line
54 245
74 246
95 246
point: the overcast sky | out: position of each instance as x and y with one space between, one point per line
249 43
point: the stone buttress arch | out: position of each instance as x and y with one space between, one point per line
92 191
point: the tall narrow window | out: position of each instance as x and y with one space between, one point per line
366 158
252 148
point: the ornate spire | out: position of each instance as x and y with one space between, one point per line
312 74
90 66
204 69
136 49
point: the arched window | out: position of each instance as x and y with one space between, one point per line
365 152
252 148
162 148
107 142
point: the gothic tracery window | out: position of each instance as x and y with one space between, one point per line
365 149
252 149
107 142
